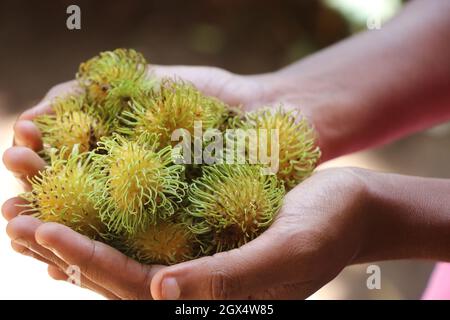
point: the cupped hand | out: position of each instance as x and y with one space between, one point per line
104 269
317 233
246 92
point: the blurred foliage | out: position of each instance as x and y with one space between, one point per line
247 36
357 12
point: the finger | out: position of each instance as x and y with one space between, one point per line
63 89
236 274
22 231
198 75
45 107
99 262
57 274
13 207
211 81
23 162
27 252
27 134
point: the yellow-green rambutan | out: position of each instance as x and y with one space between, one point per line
140 181
112 173
99 74
71 123
233 118
166 242
178 105
122 96
233 204
62 193
298 154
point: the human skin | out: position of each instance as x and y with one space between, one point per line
368 90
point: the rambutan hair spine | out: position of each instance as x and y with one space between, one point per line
298 153
140 182
123 97
115 80
72 122
62 193
167 242
98 74
112 175
232 204
177 105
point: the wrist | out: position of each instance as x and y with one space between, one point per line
405 218
356 187
344 192
326 106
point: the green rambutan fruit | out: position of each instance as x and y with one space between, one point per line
141 183
112 174
298 154
233 118
72 123
177 106
99 74
167 242
233 204
114 81
62 193
123 96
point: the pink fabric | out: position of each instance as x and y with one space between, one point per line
438 287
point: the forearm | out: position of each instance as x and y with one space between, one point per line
405 218
376 86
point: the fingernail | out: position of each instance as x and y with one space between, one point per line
170 289
22 242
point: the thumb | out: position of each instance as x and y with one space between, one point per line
236 274
226 86
206 79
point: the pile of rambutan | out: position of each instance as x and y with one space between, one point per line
112 173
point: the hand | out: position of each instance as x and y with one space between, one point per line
245 91
103 269
117 276
317 233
